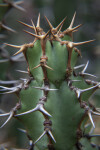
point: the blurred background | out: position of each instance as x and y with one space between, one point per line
87 13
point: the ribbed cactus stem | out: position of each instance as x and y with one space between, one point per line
54 105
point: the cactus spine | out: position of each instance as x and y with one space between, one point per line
53 102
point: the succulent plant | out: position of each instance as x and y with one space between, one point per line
53 103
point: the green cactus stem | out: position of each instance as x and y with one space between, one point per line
54 102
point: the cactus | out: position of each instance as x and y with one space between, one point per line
53 103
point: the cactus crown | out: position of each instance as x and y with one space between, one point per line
53 102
